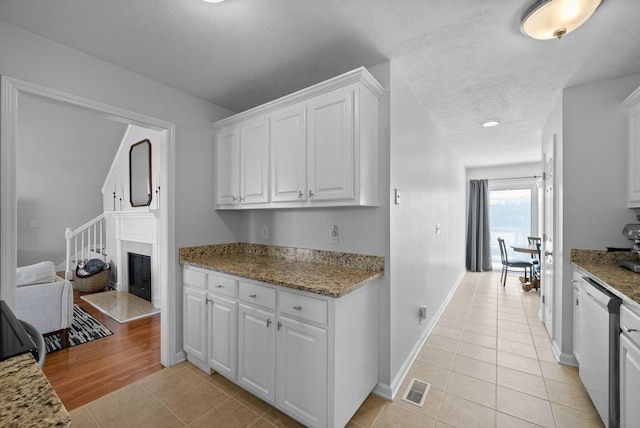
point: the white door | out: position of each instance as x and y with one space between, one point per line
195 322
222 323
331 146
289 155
227 166
257 352
254 162
547 285
302 371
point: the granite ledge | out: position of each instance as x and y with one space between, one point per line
328 273
603 266
26 396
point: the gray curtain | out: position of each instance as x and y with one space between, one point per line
478 233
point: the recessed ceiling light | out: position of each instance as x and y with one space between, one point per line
490 123
213 1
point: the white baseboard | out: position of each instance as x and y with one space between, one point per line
396 383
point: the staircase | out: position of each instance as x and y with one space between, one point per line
84 243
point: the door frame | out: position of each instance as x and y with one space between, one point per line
547 272
10 90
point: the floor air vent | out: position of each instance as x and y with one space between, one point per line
416 392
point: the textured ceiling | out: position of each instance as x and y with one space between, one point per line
466 60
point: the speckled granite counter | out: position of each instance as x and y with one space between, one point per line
603 266
26 396
328 273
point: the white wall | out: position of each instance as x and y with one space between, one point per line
591 155
62 156
117 180
29 57
424 266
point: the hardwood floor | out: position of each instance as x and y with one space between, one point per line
82 373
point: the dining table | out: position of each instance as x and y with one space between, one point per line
533 282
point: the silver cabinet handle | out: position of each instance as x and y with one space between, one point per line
207 301
219 286
300 194
268 322
548 253
297 308
234 198
279 325
253 296
310 194
629 330
241 198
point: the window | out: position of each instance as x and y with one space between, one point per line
510 218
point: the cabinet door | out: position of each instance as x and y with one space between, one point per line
331 146
302 371
254 161
633 184
257 351
289 155
227 166
222 322
629 382
195 322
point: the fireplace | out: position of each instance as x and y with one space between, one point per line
140 275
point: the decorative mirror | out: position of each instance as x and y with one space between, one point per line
140 174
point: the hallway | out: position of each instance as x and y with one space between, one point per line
488 360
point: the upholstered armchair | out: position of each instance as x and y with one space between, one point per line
45 300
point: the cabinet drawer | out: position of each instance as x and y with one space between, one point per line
258 295
194 278
224 286
630 320
307 308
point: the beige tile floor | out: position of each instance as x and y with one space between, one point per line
489 363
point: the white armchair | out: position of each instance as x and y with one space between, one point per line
45 300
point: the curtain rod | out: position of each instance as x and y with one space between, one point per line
516 178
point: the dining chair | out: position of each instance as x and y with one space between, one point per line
512 264
533 240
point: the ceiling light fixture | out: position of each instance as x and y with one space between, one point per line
213 1
490 123
548 19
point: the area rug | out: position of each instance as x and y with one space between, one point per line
122 307
84 328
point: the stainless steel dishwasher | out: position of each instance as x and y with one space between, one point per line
599 318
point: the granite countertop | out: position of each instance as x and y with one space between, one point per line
328 273
26 396
603 266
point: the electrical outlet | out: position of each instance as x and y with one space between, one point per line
34 223
437 228
334 235
265 232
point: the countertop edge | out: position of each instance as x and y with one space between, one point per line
626 299
301 287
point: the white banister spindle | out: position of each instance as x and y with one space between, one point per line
88 242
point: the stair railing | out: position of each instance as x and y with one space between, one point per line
93 233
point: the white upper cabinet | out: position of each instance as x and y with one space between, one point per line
254 161
289 154
227 166
633 185
322 148
242 163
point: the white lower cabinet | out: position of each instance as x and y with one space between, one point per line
629 367
313 357
302 371
222 335
195 319
257 352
